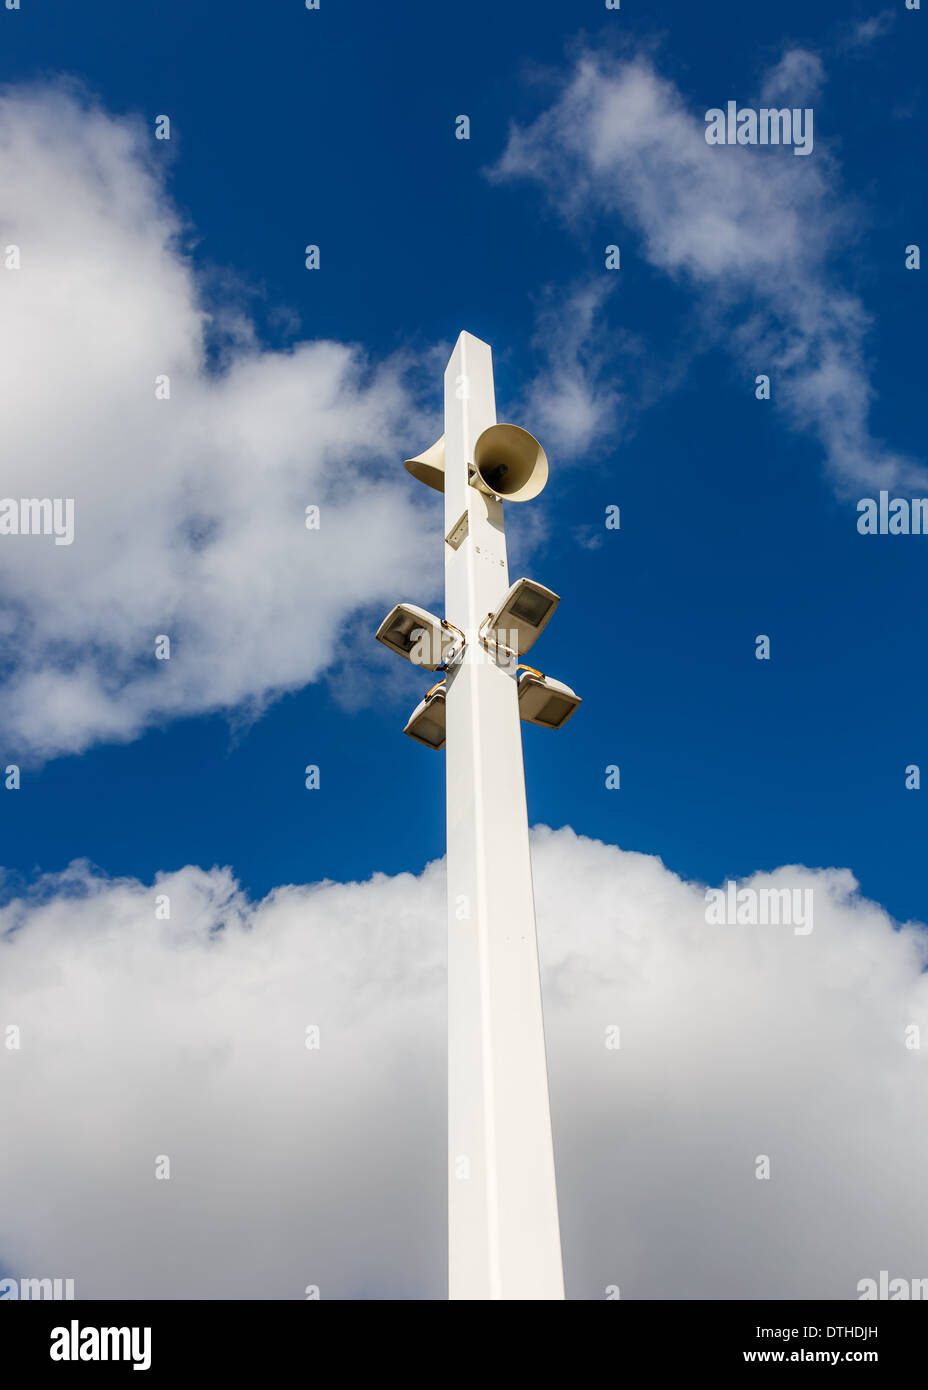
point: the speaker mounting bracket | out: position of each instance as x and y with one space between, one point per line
459 531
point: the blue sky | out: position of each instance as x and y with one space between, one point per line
336 127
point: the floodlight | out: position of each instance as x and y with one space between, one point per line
427 721
418 635
522 615
545 701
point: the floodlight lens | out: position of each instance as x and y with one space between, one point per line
402 630
531 607
554 711
430 732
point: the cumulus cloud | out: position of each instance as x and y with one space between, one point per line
750 230
292 1166
190 511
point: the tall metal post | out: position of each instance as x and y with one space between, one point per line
504 1238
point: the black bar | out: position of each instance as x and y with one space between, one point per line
239 1339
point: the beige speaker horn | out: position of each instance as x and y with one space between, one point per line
509 463
429 467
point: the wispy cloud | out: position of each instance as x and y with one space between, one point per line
863 33
750 231
573 396
797 78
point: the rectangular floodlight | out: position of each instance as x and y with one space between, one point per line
523 615
416 634
427 721
544 701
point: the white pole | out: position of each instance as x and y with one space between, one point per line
504 1239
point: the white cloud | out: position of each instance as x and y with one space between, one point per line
751 230
866 30
573 402
289 1167
796 80
189 513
